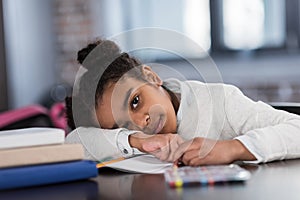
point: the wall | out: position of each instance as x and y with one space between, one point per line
73 28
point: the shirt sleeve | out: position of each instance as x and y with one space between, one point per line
103 144
269 134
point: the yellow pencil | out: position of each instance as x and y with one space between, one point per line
102 164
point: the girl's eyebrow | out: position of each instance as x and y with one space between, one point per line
128 93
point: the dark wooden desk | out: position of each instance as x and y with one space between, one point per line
277 180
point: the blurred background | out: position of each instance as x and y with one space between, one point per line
254 43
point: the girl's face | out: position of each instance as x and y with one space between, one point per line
136 105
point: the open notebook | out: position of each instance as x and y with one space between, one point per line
139 164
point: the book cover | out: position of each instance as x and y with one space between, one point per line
40 155
31 137
34 175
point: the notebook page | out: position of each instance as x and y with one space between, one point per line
141 164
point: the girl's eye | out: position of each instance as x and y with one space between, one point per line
135 102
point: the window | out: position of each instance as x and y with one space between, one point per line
216 25
190 18
243 24
252 24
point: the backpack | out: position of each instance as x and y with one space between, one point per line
34 116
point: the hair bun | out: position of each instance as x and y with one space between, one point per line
105 50
82 54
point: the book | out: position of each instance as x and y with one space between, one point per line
40 154
31 137
34 175
145 163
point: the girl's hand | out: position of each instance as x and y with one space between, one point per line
162 146
203 151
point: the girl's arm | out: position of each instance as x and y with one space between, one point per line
106 144
259 133
267 133
103 144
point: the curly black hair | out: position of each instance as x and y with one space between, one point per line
99 57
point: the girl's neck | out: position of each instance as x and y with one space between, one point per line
175 98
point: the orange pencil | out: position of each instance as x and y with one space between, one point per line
102 164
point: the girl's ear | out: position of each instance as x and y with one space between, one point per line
151 76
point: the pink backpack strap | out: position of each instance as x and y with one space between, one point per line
58 116
12 116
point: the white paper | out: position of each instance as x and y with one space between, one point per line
141 164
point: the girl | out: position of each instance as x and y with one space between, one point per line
132 111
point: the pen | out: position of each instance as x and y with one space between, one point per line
178 181
175 164
102 164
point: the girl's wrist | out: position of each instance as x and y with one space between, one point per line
240 152
135 140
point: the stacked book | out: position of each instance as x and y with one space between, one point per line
38 156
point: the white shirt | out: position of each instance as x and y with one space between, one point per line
215 111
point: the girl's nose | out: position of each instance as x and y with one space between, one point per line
141 120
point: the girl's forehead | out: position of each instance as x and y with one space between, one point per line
128 82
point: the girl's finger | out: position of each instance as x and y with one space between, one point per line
189 155
183 147
173 146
